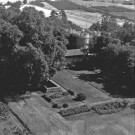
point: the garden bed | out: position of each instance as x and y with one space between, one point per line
104 108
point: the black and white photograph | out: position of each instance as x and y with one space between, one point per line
67 67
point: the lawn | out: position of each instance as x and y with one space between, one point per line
41 120
121 123
69 81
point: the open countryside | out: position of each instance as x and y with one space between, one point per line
67 67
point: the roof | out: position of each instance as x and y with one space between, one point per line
73 52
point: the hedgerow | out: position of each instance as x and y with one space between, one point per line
73 111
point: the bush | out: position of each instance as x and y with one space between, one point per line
132 106
71 92
58 95
80 97
65 105
55 105
47 98
111 107
64 93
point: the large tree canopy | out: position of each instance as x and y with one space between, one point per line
32 47
115 50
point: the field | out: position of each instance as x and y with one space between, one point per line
64 5
87 7
129 15
83 18
114 124
118 10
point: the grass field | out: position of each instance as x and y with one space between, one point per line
118 10
114 124
69 81
41 120
95 7
83 18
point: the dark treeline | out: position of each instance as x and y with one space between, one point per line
32 46
115 51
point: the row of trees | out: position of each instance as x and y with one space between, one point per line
16 3
32 47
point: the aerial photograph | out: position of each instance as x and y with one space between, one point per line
67 67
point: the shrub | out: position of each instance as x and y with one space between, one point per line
111 107
58 95
132 106
47 98
64 93
73 111
80 97
55 105
71 92
65 105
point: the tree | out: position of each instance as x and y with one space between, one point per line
108 24
9 14
65 105
126 33
22 64
95 27
64 16
25 2
54 14
31 47
118 62
16 4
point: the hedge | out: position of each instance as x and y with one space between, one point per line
58 95
73 111
111 107
106 108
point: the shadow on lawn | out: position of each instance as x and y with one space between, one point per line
109 85
80 65
15 92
